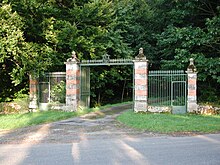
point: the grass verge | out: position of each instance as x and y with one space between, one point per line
13 121
169 123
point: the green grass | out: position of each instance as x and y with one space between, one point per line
111 105
169 123
13 121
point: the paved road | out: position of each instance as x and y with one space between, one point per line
163 150
91 140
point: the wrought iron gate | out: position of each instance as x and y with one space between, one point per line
85 74
52 89
167 90
85 87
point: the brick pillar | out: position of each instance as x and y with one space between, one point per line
72 84
33 93
192 80
140 82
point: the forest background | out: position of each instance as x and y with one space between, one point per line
38 36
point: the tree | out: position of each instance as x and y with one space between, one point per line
198 39
50 30
39 35
17 57
173 31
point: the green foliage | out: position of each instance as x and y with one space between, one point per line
111 84
11 41
181 39
58 92
200 41
39 35
18 57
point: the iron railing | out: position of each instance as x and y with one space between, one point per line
166 88
52 87
106 61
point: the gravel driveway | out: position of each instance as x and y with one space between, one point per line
102 124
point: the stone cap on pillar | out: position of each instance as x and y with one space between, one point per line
191 68
141 55
73 58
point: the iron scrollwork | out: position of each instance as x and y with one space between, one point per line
106 58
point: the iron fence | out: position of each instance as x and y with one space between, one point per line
167 88
52 87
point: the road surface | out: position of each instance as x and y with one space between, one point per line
195 150
98 139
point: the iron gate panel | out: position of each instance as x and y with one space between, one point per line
167 89
85 87
52 89
178 97
85 74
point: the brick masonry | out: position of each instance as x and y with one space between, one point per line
192 94
192 87
72 85
33 87
140 85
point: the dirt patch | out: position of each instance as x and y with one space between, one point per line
101 124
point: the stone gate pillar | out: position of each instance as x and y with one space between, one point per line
33 93
192 81
72 83
140 82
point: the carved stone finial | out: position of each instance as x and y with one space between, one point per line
73 57
191 61
191 67
73 54
141 51
141 55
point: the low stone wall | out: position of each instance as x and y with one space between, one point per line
51 106
58 107
158 109
207 110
